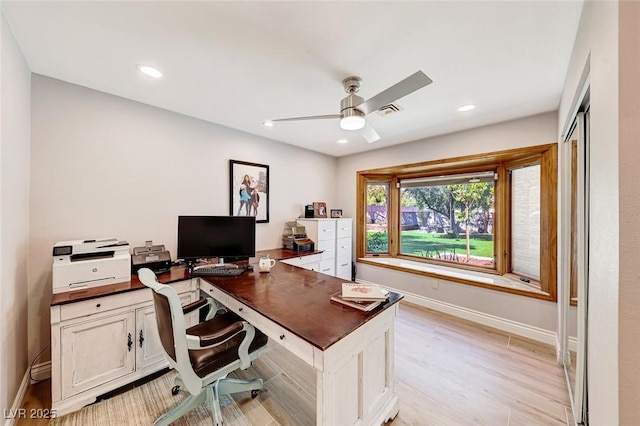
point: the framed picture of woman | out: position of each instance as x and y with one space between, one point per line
249 190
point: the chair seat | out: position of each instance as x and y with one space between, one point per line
205 361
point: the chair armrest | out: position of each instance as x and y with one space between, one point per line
190 307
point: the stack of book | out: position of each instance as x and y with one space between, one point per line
364 297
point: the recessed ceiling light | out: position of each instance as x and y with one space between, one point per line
342 141
468 107
474 180
149 71
268 123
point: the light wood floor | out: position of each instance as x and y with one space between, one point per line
448 372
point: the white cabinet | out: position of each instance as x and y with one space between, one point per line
100 344
333 237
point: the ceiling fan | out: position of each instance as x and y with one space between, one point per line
353 108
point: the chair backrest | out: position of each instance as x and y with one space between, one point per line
169 317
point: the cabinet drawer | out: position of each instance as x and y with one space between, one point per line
343 248
328 248
327 267
103 304
300 261
121 300
344 228
343 268
326 230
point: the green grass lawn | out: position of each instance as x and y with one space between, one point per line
419 243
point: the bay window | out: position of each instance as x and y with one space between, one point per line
492 215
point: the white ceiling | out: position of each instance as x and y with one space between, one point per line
241 63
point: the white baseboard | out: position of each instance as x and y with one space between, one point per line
509 326
11 416
573 344
41 372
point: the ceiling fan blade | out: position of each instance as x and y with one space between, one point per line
310 117
409 85
369 134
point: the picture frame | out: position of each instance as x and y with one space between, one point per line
319 210
336 213
249 190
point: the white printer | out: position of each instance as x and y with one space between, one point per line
90 263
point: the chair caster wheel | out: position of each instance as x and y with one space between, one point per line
175 390
254 393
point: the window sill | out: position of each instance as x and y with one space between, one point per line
481 279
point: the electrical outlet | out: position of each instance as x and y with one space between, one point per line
436 284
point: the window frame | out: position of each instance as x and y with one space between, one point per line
500 162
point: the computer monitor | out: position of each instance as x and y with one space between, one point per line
228 238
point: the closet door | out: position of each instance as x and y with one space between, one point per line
576 255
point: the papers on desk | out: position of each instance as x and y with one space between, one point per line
364 297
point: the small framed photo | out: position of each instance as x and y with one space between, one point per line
336 213
319 210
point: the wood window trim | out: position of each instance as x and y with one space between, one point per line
501 161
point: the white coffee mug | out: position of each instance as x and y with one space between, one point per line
266 264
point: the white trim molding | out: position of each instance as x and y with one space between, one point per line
40 372
509 326
13 414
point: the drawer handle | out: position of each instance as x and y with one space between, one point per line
282 337
345 229
129 342
328 269
344 264
141 339
240 310
98 305
326 230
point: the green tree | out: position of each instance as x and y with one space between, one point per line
473 197
436 198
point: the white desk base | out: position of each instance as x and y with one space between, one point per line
355 376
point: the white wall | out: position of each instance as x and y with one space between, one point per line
536 130
104 166
597 43
14 215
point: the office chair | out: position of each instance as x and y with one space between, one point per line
204 354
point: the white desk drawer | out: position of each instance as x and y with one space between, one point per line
344 228
214 292
289 340
244 311
302 260
328 249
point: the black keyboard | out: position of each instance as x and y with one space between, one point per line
219 271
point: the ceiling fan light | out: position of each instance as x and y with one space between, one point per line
352 119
